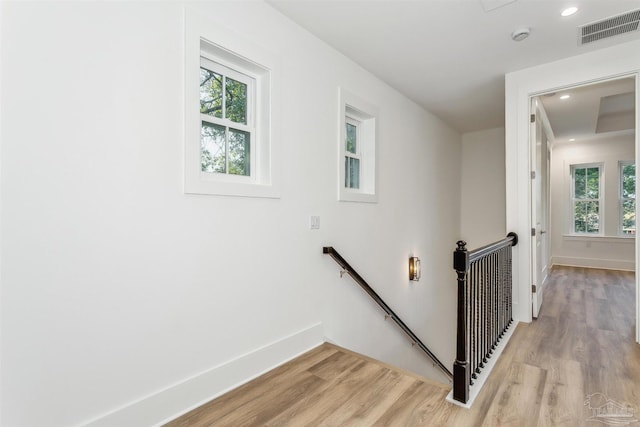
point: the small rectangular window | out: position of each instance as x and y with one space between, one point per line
357 150
225 112
586 198
232 114
627 198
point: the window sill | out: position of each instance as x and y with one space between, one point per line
599 239
232 189
352 196
226 49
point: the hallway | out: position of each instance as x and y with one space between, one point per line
581 344
555 371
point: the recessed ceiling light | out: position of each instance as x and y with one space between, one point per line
571 139
569 11
563 97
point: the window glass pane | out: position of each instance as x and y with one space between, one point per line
579 183
580 217
236 101
629 181
351 138
593 183
629 217
212 148
593 217
586 217
210 93
354 173
239 152
346 172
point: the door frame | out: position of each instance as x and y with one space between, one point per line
604 64
540 134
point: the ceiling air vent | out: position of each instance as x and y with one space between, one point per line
609 27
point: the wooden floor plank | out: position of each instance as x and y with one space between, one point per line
256 389
563 396
369 403
518 400
272 403
316 407
419 405
334 366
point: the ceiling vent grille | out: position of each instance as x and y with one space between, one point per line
609 27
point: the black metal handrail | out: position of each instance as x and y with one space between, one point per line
510 240
388 311
484 307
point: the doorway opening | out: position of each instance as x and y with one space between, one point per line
582 157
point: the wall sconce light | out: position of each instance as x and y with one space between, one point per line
414 268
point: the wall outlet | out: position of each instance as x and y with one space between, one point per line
314 222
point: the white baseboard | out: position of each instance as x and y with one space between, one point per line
166 405
474 390
607 264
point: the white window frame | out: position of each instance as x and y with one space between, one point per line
208 39
621 165
354 109
249 127
600 200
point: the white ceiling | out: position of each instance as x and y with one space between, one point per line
592 112
450 56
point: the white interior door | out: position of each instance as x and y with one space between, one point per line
546 209
539 208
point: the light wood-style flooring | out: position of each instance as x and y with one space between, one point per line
581 344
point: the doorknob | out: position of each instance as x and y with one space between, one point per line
542 231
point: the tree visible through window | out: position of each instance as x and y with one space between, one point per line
586 199
225 139
628 198
231 114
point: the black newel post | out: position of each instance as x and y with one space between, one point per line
461 365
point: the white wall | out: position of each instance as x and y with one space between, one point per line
610 250
483 187
121 296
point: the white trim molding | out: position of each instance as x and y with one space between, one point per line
221 45
605 264
165 405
